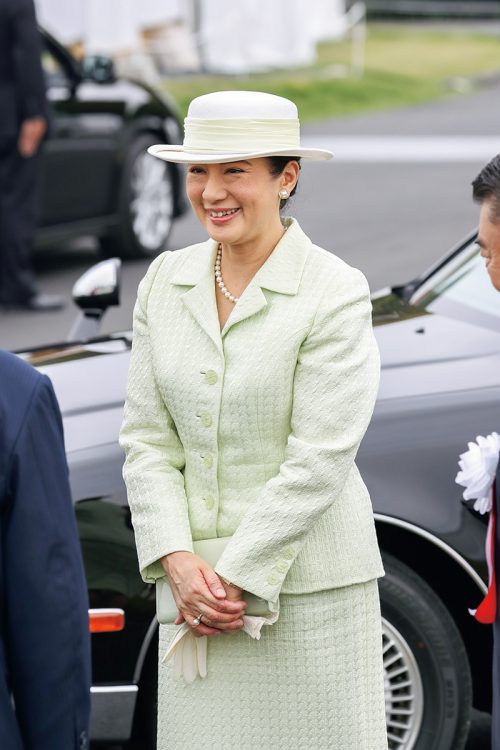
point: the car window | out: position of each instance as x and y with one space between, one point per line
462 289
55 75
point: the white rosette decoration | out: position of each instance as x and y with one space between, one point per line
478 468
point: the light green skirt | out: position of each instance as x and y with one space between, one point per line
314 681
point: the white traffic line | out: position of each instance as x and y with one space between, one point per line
407 148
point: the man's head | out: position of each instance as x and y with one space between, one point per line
486 191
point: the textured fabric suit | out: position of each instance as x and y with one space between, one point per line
44 638
22 96
252 431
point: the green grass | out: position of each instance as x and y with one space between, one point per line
403 66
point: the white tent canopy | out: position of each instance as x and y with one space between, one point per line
232 37
253 35
107 26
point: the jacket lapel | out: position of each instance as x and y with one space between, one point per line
200 301
197 272
281 273
251 302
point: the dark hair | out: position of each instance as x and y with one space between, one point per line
278 164
487 185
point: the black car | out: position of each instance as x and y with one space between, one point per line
97 177
439 337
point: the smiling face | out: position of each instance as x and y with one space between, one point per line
238 203
489 241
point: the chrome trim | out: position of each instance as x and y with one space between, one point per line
144 649
114 689
469 252
383 292
112 713
438 543
107 611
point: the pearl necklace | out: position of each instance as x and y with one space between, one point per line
220 281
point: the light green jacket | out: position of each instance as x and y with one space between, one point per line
253 431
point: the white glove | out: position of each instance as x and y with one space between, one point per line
190 653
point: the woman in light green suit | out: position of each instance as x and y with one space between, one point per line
253 377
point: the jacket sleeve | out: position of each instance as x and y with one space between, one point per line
154 454
335 385
27 50
46 613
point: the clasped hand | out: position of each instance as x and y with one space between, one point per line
197 589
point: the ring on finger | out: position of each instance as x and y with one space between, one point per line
197 620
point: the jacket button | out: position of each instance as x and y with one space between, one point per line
211 377
288 553
209 502
208 461
272 580
282 566
206 419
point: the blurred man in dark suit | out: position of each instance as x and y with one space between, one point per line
23 125
44 627
486 191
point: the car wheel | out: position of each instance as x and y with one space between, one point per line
146 205
428 686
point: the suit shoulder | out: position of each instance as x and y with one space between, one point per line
21 384
19 379
172 260
328 271
164 267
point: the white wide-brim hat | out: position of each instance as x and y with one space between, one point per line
233 125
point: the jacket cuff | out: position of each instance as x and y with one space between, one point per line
33 107
265 582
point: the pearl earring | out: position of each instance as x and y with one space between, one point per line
283 194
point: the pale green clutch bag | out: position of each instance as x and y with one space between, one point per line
210 550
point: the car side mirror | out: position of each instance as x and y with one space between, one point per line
95 291
98 68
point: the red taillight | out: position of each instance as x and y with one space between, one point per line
106 620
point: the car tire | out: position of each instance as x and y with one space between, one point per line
146 205
427 677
